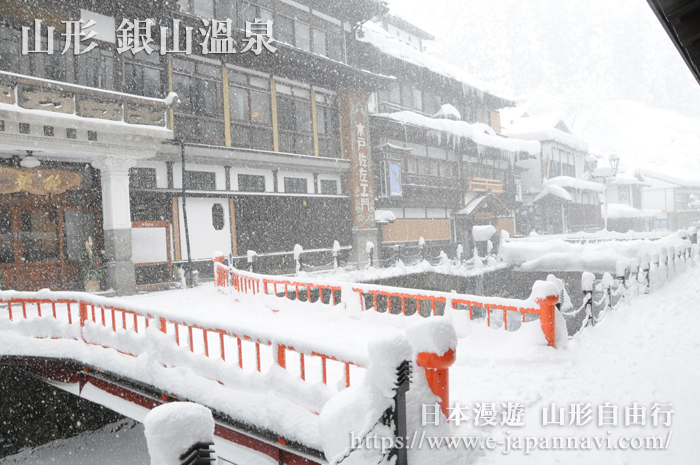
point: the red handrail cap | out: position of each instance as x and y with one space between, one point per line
440 362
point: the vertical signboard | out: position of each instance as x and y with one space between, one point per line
354 128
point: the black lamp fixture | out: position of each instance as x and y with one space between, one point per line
614 160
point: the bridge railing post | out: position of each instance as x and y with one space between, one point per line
219 275
83 310
547 303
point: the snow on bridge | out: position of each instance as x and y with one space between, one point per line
265 364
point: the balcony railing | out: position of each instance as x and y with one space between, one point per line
484 185
69 99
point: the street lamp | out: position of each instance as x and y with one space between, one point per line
592 162
614 160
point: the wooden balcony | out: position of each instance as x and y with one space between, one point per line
69 99
484 185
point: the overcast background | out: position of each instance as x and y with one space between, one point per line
606 66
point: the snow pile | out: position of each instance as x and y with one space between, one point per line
480 133
172 429
553 253
555 191
483 233
447 111
435 335
384 216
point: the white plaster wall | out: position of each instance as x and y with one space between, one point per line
204 239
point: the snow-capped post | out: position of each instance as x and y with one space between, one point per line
621 272
693 234
434 340
369 248
645 266
421 248
587 281
298 252
607 283
336 254
546 294
219 274
671 265
481 235
460 252
633 273
397 249
252 256
180 433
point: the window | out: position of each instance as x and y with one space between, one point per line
295 185
96 69
217 216
406 96
327 123
431 102
142 178
285 30
10 42
301 36
199 88
390 178
335 47
417 99
140 79
200 180
249 103
294 120
329 187
320 42
623 195
411 165
251 12
211 9
251 183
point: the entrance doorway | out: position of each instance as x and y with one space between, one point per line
41 246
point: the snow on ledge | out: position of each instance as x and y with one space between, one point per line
478 132
555 191
574 183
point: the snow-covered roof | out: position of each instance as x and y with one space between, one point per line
554 191
668 179
380 38
622 210
478 132
549 127
574 183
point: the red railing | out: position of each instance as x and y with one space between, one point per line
212 342
394 300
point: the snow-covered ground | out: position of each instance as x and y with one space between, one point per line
644 353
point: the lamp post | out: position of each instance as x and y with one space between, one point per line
603 175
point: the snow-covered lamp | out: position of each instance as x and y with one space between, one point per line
614 160
29 161
592 162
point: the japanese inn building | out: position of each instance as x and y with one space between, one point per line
299 145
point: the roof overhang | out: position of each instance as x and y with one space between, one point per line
681 19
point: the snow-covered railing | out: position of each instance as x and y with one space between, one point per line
113 324
395 300
633 277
